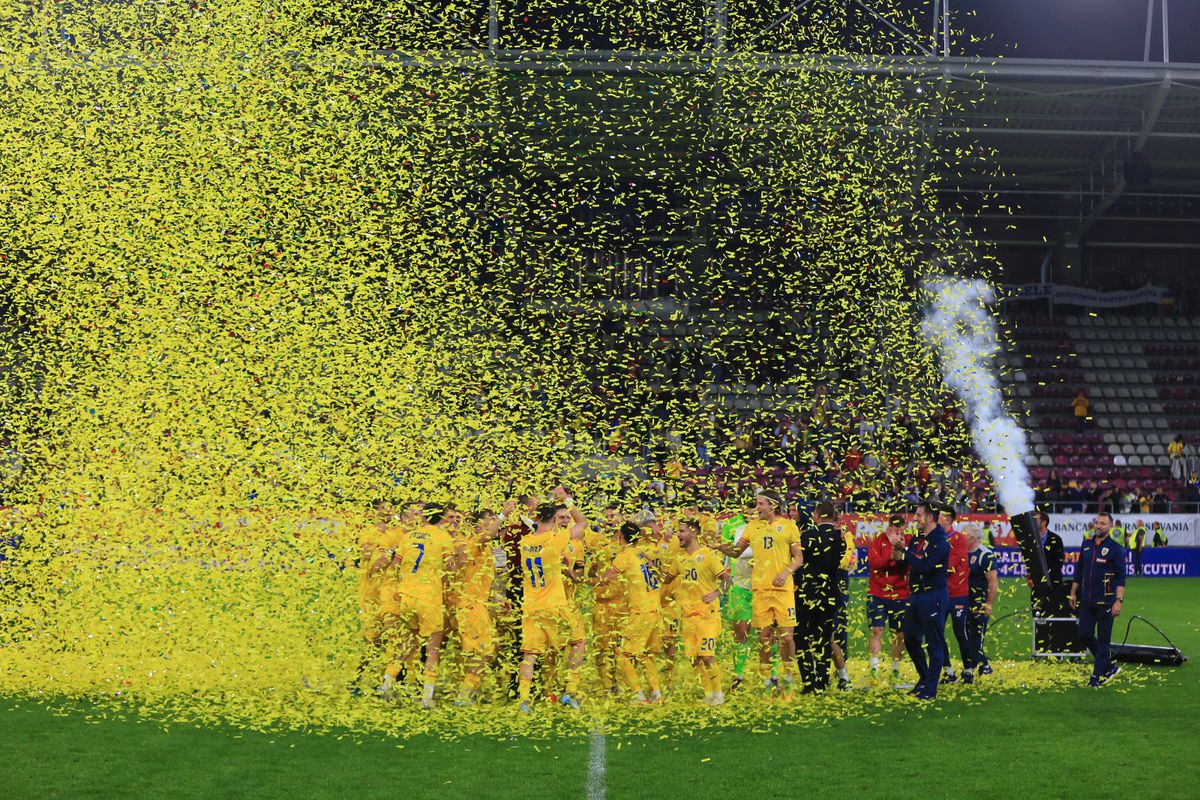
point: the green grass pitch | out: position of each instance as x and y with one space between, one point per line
1137 738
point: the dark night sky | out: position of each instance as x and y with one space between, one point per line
1077 29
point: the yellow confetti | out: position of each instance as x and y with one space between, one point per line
259 275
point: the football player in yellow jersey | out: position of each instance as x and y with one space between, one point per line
547 618
701 578
710 527
608 606
641 640
387 566
477 597
661 546
574 574
777 554
415 612
372 538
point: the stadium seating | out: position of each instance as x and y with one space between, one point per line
1141 376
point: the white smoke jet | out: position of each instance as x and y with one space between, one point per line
960 326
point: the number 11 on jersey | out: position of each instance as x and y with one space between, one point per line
533 564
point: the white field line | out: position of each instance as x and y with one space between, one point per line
596 769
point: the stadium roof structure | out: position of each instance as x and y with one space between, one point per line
1080 142
1069 143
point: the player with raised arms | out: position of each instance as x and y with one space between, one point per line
478 595
546 614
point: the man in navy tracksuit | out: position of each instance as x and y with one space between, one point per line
925 619
1097 593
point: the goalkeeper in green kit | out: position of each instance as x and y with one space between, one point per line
737 602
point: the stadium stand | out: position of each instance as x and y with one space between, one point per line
1142 378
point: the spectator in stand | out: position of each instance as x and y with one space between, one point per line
922 476
853 460
1054 487
1127 501
1075 496
1175 453
1108 498
1191 493
1080 408
1160 503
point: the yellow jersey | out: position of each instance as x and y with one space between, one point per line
390 539
479 571
662 554
575 556
601 549
696 574
772 545
639 580
423 566
369 583
850 556
542 557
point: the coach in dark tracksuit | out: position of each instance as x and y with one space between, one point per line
925 619
1098 593
817 592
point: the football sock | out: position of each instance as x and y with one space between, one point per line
650 669
628 673
741 653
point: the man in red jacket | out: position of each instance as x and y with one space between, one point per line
958 573
887 594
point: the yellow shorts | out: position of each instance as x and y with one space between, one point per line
769 607
371 627
700 633
578 630
641 633
369 615
548 629
606 622
476 633
424 616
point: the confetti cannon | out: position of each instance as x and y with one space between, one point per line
1046 594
